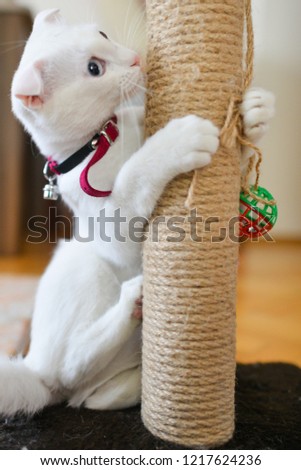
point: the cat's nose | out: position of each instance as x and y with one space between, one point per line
136 61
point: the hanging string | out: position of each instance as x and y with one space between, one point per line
232 130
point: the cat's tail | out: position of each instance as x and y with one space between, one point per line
21 389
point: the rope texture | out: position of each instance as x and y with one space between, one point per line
195 65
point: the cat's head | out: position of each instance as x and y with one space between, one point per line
70 80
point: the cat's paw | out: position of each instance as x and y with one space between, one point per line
194 141
257 109
131 297
137 312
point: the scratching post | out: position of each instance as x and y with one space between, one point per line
195 65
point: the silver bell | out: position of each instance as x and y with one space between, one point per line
51 191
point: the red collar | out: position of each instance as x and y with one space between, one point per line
102 141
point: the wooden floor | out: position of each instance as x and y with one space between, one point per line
269 303
269 297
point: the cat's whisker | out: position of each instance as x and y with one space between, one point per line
140 101
12 43
125 24
137 129
34 150
11 49
136 29
117 35
138 23
129 35
140 87
128 101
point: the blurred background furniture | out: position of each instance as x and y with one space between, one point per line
21 166
15 25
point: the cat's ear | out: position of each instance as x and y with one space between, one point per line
28 86
51 16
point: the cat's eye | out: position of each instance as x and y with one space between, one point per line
103 34
96 67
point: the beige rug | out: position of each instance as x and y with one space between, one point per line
17 295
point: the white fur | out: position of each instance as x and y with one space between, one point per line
257 109
21 389
85 341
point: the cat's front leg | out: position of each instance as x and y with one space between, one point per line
183 145
257 109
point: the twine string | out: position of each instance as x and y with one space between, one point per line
232 130
188 355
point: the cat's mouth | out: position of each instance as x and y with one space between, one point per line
132 83
31 102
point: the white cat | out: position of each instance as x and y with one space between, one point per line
86 327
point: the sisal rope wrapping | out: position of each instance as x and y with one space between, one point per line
195 65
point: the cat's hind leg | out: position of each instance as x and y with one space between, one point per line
99 344
122 391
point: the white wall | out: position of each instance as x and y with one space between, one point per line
277 68
123 20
